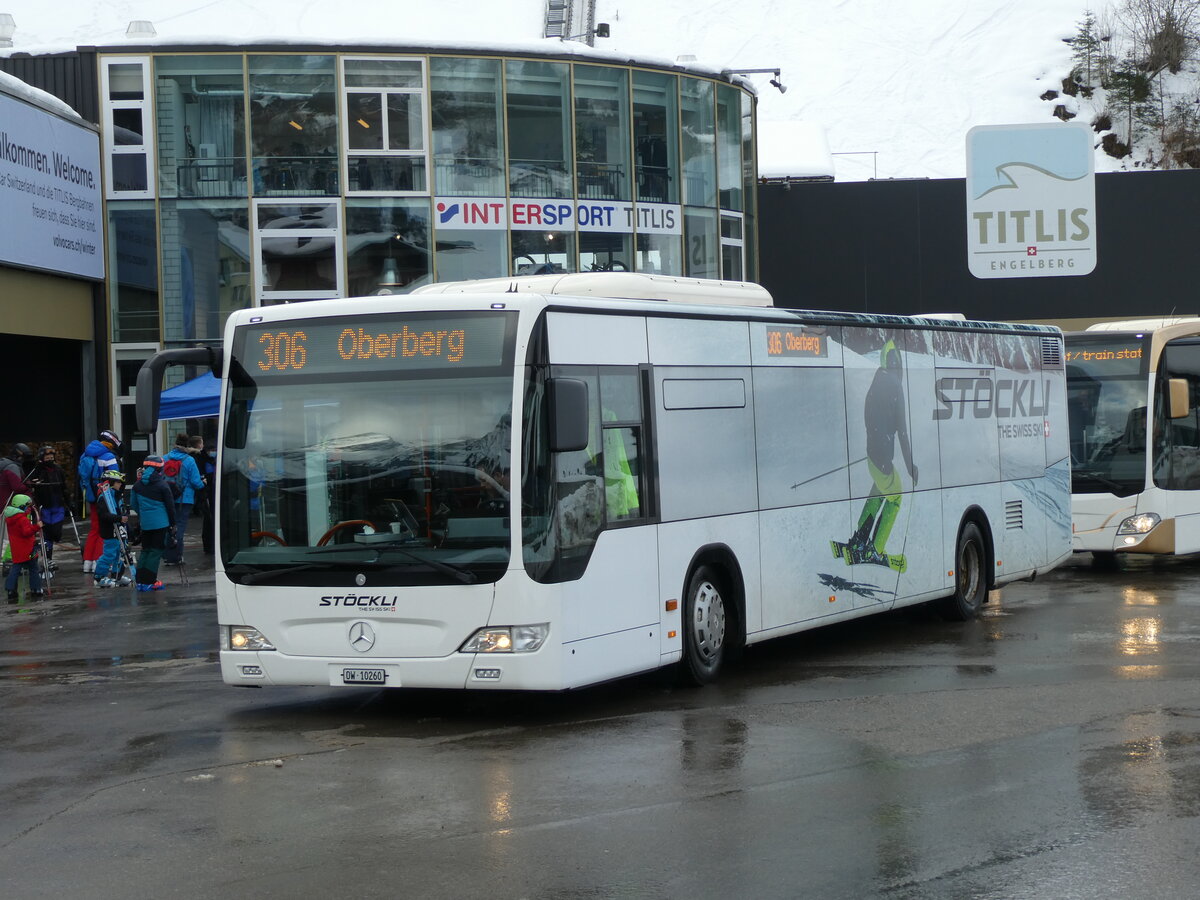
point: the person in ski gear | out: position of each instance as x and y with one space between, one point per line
151 498
206 461
49 490
182 473
886 421
111 513
99 456
20 517
12 475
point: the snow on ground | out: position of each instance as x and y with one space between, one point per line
890 86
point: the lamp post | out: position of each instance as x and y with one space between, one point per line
774 82
601 30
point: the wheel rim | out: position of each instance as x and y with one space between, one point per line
968 571
708 622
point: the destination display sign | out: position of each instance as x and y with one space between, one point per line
795 342
1107 357
375 344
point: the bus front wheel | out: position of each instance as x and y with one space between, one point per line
970 576
704 626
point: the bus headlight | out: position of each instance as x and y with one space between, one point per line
1142 523
507 639
242 637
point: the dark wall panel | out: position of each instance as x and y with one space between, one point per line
69 76
901 247
43 400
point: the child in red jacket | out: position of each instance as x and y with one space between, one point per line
22 535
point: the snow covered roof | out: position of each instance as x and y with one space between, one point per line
15 87
876 88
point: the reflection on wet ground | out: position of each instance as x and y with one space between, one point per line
899 755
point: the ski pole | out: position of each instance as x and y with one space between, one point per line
75 528
42 563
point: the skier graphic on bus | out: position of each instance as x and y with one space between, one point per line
886 421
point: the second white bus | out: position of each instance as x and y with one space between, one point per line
549 482
1133 389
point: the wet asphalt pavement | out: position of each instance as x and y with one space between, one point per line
1049 750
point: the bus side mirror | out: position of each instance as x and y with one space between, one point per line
150 377
567 399
1177 398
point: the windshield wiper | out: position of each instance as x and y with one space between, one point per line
1115 487
261 575
463 576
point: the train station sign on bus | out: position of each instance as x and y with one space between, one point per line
1031 201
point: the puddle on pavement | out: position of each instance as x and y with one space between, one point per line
93 669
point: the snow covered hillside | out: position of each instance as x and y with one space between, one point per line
889 88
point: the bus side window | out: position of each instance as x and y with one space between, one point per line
621 411
1177 441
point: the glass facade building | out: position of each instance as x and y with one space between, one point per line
250 177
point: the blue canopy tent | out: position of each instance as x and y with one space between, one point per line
199 398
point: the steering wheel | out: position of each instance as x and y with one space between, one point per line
349 523
260 535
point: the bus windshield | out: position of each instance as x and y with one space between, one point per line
345 455
1106 409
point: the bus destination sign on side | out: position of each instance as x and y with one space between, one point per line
375 345
795 342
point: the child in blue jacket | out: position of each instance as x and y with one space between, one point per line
155 506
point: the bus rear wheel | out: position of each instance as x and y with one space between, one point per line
970 576
704 627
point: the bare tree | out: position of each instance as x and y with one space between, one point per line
1163 32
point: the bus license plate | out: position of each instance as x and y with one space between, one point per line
364 676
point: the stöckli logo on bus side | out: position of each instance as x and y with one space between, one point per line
1002 398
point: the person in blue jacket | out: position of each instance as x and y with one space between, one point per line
155 505
183 475
98 457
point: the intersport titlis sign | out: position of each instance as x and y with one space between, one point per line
1031 201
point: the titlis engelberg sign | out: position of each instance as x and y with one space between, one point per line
1031 201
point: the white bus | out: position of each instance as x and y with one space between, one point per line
1132 391
529 484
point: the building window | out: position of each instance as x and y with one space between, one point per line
293 135
468 131
387 246
543 252
602 132
128 129
205 267
699 156
463 254
133 271
299 251
537 99
700 235
749 180
732 263
601 251
201 126
659 254
729 147
656 136
384 125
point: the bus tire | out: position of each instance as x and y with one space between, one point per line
970 576
1105 561
705 621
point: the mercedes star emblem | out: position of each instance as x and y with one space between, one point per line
360 579
362 637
